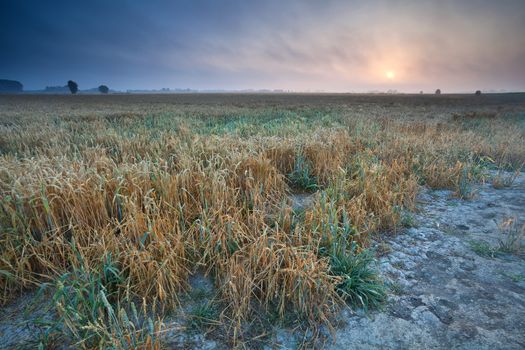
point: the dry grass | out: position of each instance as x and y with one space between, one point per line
166 190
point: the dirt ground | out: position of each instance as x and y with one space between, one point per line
450 285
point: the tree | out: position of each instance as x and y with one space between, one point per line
10 86
73 87
438 92
103 89
478 92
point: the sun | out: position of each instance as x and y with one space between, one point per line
390 75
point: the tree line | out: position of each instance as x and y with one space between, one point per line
73 87
7 85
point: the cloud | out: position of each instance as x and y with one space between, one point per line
332 45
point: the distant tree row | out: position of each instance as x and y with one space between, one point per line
73 87
16 86
438 92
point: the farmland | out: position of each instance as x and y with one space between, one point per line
134 217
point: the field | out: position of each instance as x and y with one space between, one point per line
111 207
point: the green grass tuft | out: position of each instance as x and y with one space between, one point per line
360 283
301 176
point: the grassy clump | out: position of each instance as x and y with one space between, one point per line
90 313
203 316
510 243
514 234
301 177
484 249
360 284
504 179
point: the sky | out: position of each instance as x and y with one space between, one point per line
300 45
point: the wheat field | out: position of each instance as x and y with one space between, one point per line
111 203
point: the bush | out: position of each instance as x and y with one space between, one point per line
438 92
103 89
478 92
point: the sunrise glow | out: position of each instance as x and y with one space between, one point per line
334 46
